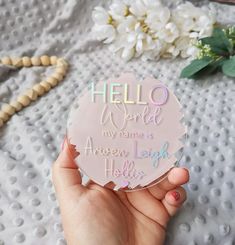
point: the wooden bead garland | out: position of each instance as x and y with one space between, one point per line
38 89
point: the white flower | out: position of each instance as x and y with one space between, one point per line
181 45
104 32
170 50
157 19
103 29
126 52
148 29
127 25
130 43
169 33
185 47
118 10
140 8
133 41
153 51
193 21
150 4
100 16
192 52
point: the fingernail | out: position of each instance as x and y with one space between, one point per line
176 195
62 145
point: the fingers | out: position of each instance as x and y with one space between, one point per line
174 199
157 191
176 177
146 204
70 154
65 172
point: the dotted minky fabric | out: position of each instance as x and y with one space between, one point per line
31 140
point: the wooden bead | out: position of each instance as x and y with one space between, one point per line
10 110
39 89
17 105
1 122
46 85
31 94
4 116
6 61
17 62
36 61
57 76
45 60
53 81
53 60
24 100
61 70
62 62
26 61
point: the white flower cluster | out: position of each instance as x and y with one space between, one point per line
151 30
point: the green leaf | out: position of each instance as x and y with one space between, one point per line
228 67
219 34
210 69
218 42
195 67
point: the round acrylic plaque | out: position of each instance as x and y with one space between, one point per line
127 132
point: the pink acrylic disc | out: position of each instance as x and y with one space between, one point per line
127 132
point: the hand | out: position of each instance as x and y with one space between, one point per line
94 215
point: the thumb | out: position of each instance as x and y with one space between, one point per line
65 172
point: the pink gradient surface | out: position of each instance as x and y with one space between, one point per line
130 138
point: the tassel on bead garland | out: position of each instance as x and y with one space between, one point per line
39 89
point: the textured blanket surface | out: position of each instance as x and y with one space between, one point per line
30 142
